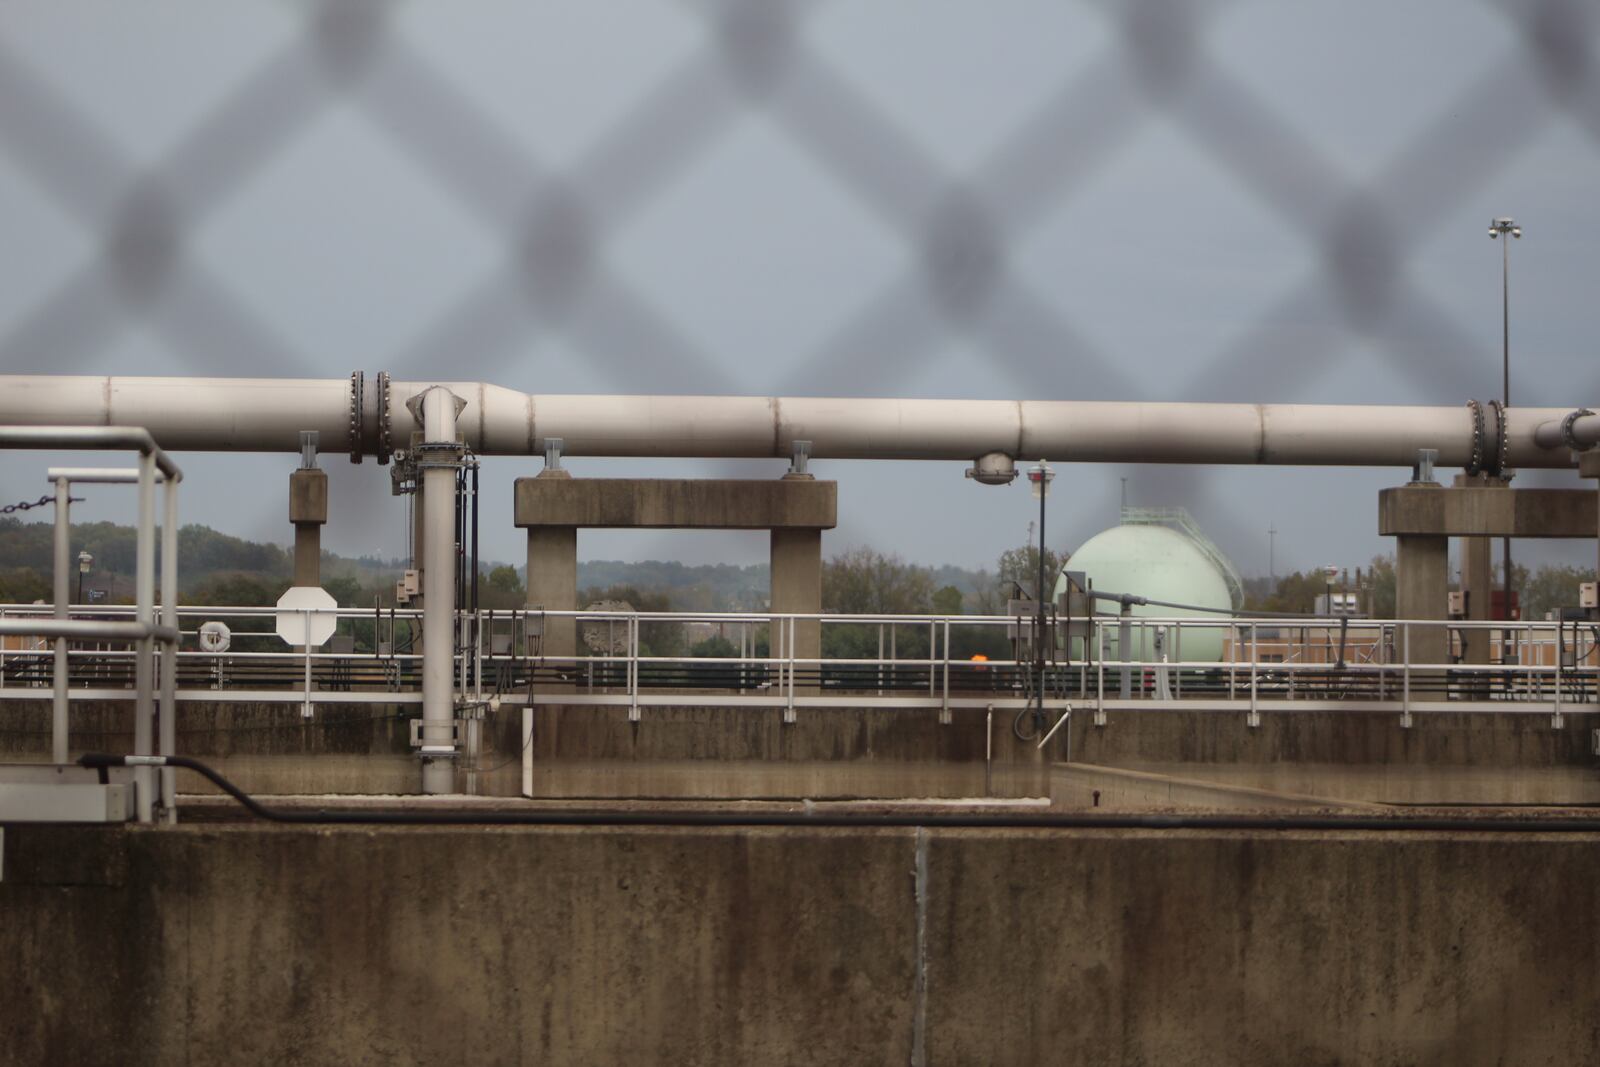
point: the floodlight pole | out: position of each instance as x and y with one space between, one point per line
1040 476
1504 229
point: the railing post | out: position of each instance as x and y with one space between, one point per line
1405 675
305 707
633 668
1233 655
1098 634
144 585
62 546
169 652
788 711
1253 719
944 710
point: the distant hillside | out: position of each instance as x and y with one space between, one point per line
218 568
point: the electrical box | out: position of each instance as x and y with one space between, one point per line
400 594
411 583
1589 595
1458 605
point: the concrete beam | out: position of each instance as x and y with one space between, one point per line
677 503
1486 512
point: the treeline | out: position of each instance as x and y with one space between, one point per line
1542 592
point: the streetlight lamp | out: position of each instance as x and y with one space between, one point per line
85 561
1498 228
1039 477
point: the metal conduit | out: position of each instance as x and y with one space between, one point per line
439 410
267 415
1005 820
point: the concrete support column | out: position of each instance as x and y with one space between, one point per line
1589 467
1477 576
553 585
308 510
1422 573
797 587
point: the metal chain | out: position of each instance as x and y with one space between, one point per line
41 502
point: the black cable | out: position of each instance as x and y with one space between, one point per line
969 820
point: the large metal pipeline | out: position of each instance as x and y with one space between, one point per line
372 417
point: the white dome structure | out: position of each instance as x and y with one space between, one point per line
1160 563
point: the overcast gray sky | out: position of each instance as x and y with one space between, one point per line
1240 201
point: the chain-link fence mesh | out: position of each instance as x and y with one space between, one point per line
592 252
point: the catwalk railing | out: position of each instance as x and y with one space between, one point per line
647 659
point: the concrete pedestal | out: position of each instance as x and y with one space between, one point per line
795 509
797 588
553 584
1477 576
308 510
1422 572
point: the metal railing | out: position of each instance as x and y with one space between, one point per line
641 659
142 631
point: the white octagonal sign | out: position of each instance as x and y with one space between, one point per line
306 615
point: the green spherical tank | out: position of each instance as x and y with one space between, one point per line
1160 563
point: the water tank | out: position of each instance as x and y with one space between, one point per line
1163 564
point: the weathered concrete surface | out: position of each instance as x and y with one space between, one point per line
1485 511
728 752
1488 742
308 496
1442 759
1477 578
678 503
553 585
796 570
1422 585
1085 786
246 945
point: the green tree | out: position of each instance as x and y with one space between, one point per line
714 647
866 582
1380 588
1551 588
502 588
948 601
1019 568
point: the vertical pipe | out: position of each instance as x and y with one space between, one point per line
169 653
58 702
144 598
438 599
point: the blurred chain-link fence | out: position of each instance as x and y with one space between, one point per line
953 227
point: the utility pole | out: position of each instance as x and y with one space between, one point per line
1499 228
1272 555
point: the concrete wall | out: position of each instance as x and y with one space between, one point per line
243 945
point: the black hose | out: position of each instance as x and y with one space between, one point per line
865 819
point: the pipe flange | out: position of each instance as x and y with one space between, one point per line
385 443
358 389
1475 464
1566 430
1499 466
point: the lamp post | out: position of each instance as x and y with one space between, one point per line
85 561
1500 228
1039 477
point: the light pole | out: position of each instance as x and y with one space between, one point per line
85 561
1039 477
1499 228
